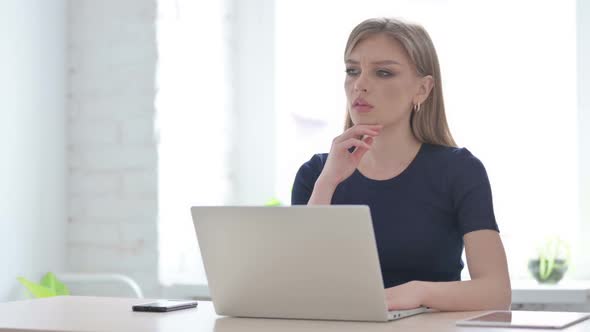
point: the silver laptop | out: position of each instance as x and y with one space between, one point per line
308 262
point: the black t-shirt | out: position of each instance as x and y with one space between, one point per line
420 216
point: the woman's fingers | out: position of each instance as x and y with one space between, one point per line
354 142
341 162
360 151
358 131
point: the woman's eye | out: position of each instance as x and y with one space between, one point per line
352 71
384 73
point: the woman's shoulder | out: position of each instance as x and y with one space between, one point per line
454 157
314 165
316 162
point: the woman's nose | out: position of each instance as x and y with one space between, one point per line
360 89
360 84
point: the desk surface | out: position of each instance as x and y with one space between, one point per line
74 313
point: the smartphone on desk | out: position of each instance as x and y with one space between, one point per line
165 305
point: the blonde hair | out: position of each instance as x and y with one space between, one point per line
429 125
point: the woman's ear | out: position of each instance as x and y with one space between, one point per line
425 86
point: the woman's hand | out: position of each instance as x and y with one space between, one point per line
341 163
405 296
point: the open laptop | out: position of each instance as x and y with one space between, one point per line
307 262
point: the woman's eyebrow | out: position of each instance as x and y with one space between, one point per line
379 62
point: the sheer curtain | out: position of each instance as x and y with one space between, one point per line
509 81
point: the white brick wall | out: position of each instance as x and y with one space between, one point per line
112 158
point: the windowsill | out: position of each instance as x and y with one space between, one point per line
523 292
184 291
565 292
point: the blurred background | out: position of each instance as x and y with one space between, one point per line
117 116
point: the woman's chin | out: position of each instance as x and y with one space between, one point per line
364 121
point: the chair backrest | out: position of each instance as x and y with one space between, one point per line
101 284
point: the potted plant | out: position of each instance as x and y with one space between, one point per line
49 286
551 262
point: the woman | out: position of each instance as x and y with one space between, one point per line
427 197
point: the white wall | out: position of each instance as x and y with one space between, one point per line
32 143
112 157
583 41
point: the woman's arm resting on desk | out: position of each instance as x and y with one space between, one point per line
489 287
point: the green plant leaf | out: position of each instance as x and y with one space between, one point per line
553 249
550 266
36 290
542 268
50 281
61 289
273 202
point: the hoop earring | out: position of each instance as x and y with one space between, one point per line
416 108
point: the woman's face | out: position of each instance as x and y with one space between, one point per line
381 82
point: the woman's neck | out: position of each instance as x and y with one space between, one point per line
392 151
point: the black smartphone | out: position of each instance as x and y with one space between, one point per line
165 305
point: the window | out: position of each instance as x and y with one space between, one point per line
509 81
215 115
192 116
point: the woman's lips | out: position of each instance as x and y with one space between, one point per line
362 106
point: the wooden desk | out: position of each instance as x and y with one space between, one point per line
74 313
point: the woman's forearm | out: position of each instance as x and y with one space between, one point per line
469 295
322 193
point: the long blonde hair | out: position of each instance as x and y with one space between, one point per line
429 125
